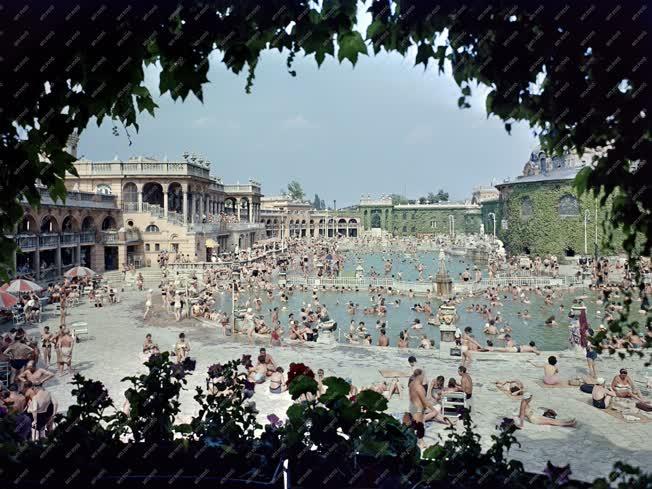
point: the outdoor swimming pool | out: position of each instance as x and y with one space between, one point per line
401 316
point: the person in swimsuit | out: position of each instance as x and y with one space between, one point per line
601 395
46 345
551 372
64 346
275 337
181 348
277 382
419 407
149 347
525 412
591 356
623 386
41 408
466 383
436 388
258 373
512 387
148 303
37 376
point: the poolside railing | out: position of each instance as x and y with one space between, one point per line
422 287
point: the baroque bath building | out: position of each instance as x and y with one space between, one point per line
123 212
540 212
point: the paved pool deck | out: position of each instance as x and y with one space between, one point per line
116 333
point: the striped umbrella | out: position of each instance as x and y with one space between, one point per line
21 285
79 272
7 301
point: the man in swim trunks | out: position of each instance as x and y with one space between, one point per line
466 383
37 376
419 407
412 360
269 361
19 353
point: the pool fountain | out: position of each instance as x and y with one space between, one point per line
442 279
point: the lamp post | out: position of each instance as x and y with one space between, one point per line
493 218
235 279
587 213
595 244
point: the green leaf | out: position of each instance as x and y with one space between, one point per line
424 52
350 45
302 385
371 400
337 389
374 29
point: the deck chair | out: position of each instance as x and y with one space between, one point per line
453 404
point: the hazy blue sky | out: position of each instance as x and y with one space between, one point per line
384 126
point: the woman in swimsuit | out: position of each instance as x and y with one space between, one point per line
46 345
601 395
277 382
551 372
275 336
623 386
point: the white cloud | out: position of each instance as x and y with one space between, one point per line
297 122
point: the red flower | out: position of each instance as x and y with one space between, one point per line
297 369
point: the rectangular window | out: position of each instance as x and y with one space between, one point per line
146 246
157 247
175 247
433 224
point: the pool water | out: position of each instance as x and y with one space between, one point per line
402 316
407 264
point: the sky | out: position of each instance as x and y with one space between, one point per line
384 126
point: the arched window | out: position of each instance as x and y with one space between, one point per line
104 189
569 206
152 228
526 208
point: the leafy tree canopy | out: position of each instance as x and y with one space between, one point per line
577 72
295 191
398 199
316 203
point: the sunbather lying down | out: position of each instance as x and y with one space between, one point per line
549 416
388 390
511 387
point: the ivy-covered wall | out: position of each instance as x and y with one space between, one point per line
434 221
536 226
412 221
488 207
